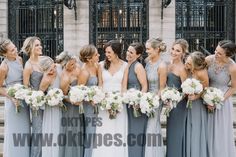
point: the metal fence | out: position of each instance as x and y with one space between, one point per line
205 22
124 20
42 18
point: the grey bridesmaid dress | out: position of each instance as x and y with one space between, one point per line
154 146
176 122
90 118
136 125
196 130
72 128
37 119
220 123
16 124
52 122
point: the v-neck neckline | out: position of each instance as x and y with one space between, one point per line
116 71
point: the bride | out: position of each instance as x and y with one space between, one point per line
110 138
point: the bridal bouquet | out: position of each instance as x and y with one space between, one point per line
170 97
132 97
19 92
95 95
191 86
77 94
112 103
36 100
149 103
213 97
54 97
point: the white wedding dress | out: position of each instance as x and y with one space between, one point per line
114 131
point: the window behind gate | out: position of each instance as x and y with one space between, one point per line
205 22
124 20
42 18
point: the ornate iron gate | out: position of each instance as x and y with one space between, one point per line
124 20
205 22
42 18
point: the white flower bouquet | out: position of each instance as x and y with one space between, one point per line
170 97
19 92
77 94
132 97
149 103
213 97
36 100
112 103
54 97
95 95
191 86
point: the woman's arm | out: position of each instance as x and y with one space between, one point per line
183 74
232 89
125 80
162 73
46 81
3 72
65 83
26 74
142 77
100 80
83 77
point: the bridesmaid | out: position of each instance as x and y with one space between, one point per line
222 70
72 121
32 77
135 77
89 75
196 127
52 115
176 122
11 71
156 75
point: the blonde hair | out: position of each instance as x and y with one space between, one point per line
183 43
28 45
64 57
3 46
198 59
87 52
45 63
157 43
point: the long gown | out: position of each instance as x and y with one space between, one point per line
136 125
220 123
37 119
72 127
90 121
16 124
154 140
176 122
51 123
113 129
196 129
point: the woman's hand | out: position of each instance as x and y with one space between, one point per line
211 108
193 97
15 101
